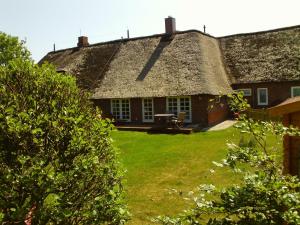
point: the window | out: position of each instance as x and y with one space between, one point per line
246 91
120 109
148 110
180 104
172 105
262 96
295 91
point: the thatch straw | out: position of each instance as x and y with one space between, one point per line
263 56
187 63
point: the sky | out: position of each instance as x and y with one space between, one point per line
41 23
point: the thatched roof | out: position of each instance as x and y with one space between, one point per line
263 56
187 63
88 64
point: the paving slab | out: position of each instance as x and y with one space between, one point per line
221 126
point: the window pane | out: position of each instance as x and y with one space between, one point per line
172 105
296 91
125 115
185 107
262 96
120 108
246 91
179 104
148 109
115 109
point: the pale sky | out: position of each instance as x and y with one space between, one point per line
44 22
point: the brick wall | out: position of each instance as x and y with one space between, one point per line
199 106
199 109
218 111
136 110
277 92
104 105
159 105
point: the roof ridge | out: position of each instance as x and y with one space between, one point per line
260 32
177 32
133 39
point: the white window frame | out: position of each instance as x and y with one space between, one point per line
120 108
258 96
143 110
178 106
244 90
292 90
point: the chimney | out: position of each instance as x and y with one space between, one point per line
82 41
128 33
170 25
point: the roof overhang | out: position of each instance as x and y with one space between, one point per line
290 105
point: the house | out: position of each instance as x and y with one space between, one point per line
264 65
133 79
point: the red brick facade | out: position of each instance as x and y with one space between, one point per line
277 92
200 112
218 111
136 110
104 104
160 105
199 109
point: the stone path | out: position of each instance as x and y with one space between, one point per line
221 126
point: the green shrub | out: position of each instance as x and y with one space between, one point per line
57 163
11 48
264 195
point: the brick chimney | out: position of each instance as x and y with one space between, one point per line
82 41
170 25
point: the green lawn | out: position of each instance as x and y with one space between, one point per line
156 163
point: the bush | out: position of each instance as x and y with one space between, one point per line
263 196
57 163
11 48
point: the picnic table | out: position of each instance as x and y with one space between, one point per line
163 119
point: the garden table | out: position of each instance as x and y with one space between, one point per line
163 119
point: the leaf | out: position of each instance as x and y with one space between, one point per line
217 164
37 131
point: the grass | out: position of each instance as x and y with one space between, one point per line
157 163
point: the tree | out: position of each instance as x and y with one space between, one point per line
57 162
263 196
11 48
